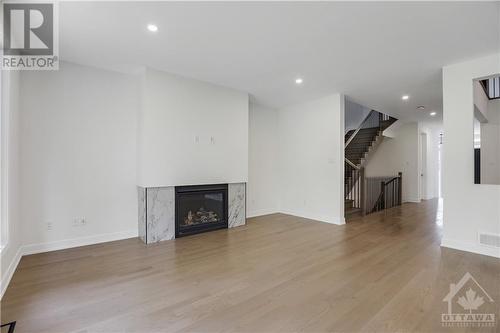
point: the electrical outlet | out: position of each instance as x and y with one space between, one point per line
79 221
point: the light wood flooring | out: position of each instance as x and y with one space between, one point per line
385 272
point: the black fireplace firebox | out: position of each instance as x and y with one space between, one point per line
200 208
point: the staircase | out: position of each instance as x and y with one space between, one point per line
358 145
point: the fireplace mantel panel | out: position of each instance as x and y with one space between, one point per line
236 205
156 220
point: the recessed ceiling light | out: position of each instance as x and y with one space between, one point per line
421 107
152 28
432 113
299 80
405 97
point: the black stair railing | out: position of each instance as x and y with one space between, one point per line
390 194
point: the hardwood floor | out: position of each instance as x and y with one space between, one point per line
382 273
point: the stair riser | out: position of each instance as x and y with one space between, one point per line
361 141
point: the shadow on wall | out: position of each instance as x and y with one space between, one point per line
354 115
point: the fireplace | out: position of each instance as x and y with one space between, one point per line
200 208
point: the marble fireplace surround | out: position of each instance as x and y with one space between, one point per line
157 212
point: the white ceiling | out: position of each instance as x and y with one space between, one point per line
373 52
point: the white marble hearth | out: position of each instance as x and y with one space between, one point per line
157 211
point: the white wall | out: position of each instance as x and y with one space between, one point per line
78 154
490 143
431 168
178 119
399 154
311 151
11 233
423 164
78 151
263 172
468 208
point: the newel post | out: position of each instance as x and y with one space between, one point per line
400 188
362 190
382 191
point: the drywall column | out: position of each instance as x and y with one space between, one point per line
468 208
191 132
311 159
263 172
10 194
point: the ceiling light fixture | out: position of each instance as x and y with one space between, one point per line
421 107
299 80
432 113
152 28
405 97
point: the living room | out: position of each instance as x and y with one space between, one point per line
183 167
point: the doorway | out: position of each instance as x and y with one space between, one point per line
423 166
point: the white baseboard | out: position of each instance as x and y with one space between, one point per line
319 218
261 212
471 247
340 221
60 245
413 200
76 242
7 276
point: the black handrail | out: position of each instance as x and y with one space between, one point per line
390 193
11 325
391 180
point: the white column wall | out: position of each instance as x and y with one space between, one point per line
468 208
